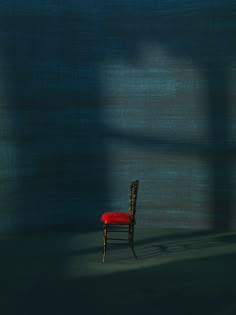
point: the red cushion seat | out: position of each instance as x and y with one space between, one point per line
116 218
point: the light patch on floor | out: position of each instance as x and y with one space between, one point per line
154 250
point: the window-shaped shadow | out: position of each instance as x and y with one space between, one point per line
56 63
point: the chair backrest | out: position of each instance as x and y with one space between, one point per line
133 198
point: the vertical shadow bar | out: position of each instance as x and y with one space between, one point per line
220 159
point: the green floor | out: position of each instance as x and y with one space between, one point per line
177 272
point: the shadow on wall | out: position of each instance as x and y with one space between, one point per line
53 58
54 105
199 32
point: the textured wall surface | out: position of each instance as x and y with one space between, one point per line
96 93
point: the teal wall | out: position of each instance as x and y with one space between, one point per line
94 94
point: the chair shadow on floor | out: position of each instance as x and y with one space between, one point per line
172 244
184 244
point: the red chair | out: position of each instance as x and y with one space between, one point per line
121 221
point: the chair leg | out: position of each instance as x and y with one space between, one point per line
130 235
104 242
131 240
